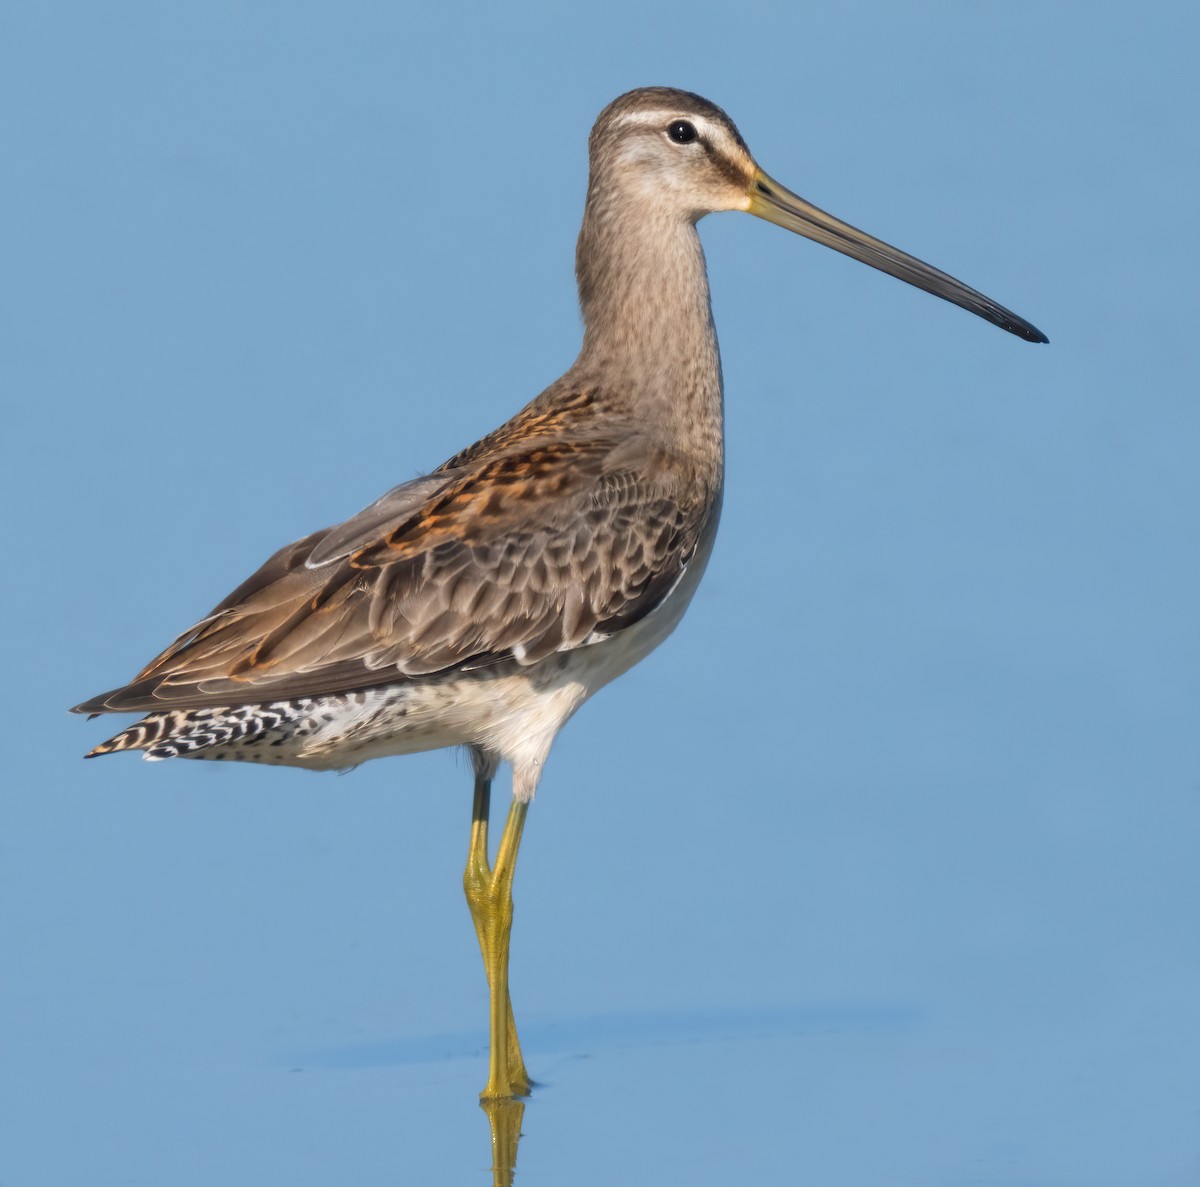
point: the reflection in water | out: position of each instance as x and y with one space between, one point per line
576 1036
628 1030
591 1033
504 1116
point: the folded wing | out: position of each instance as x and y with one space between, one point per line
546 546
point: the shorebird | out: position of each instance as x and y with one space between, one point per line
481 605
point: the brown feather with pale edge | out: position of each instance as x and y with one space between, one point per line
543 536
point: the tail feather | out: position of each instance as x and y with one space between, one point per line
140 736
182 732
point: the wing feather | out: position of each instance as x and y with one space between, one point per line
533 548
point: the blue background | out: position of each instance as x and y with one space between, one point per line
882 870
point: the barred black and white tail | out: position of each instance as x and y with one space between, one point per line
180 733
141 735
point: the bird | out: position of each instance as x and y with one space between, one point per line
481 604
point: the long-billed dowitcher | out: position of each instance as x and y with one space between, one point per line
482 605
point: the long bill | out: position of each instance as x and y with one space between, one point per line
771 201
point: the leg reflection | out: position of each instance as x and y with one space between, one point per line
504 1115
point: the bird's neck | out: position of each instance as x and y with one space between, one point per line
643 290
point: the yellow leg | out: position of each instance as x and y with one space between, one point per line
489 895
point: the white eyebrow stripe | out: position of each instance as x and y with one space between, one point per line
664 116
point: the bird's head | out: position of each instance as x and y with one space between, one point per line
680 156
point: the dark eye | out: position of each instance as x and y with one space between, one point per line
682 132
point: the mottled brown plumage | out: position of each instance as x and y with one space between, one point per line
530 544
